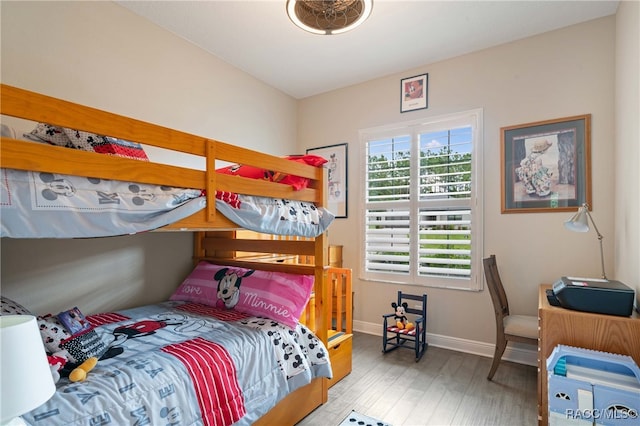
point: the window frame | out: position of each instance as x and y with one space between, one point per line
471 118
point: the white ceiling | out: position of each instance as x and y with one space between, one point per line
258 37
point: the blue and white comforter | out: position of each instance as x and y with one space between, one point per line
179 363
50 205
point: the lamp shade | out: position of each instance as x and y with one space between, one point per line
579 222
25 378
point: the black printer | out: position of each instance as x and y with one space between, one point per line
599 296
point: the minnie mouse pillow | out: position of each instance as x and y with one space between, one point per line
275 295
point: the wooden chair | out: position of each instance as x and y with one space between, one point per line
515 328
415 339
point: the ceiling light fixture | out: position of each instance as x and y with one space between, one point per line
330 16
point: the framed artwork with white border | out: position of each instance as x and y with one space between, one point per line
414 93
336 156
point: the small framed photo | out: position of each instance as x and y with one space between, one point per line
336 156
546 165
414 93
74 321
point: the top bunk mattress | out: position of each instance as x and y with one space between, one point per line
49 205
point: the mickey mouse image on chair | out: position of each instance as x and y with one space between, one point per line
229 287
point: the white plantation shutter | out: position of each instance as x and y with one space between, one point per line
387 240
423 219
445 243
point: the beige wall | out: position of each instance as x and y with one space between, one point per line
100 54
103 55
97 275
627 152
557 74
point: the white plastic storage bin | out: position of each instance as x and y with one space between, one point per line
588 387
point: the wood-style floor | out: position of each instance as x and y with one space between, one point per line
444 388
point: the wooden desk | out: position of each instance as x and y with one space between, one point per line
608 333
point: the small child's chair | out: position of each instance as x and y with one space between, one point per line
415 338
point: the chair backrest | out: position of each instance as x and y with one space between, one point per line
411 309
498 295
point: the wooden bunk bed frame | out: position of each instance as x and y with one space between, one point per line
215 239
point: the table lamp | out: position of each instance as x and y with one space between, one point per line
25 376
579 222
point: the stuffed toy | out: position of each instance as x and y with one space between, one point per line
56 362
401 319
80 373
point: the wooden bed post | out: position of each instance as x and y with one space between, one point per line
321 262
321 282
321 289
198 248
211 179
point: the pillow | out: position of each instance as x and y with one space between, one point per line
7 131
297 182
51 134
275 295
86 141
310 159
9 307
274 215
106 145
76 348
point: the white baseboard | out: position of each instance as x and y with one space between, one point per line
513 354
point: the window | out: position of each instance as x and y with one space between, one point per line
422 202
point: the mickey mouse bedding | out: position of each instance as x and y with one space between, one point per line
179 363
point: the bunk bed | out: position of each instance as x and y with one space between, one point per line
215 235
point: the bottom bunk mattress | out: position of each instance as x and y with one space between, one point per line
183 363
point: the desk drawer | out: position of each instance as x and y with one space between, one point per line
340 355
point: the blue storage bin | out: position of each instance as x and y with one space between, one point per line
590 387
616 407
569 396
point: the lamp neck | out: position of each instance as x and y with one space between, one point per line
600 237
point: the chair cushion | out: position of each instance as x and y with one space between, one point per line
394 329
521 325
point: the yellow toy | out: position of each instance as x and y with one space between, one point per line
80 373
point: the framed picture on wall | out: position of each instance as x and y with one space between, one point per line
336 156
546 165
414 93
